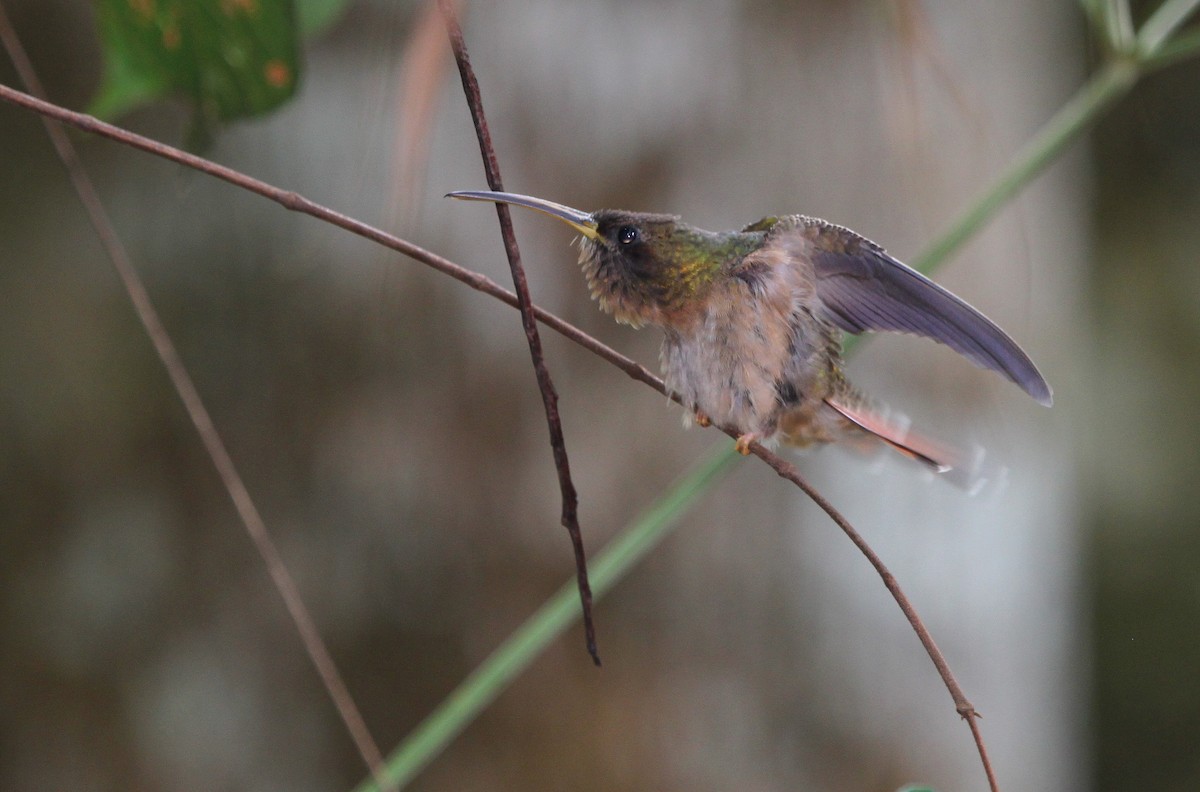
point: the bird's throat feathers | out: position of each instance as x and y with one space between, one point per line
665 274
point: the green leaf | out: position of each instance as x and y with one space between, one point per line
228 58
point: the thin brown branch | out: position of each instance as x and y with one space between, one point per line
298 203
314 645
964 707
491 167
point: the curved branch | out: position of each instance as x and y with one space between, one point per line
198 413
299 203
963 706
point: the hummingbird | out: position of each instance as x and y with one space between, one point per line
752 320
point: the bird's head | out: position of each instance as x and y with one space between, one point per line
641 268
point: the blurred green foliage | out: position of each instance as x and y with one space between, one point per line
228 58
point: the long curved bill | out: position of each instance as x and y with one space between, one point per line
580 221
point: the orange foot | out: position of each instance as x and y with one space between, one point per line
742 444
702 419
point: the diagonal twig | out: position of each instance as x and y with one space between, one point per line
491 166
314 645
961 704
298 203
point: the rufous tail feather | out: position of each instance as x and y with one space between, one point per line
970 469
927 452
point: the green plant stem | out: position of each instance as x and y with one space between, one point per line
1103 90
1120 20
1165 20
1098 94
509 659
1185 45
1097 14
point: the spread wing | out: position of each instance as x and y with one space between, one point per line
860 287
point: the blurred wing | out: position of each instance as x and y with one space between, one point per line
860 287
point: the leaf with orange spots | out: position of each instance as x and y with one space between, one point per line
228 58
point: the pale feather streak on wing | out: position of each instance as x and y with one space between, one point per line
870 290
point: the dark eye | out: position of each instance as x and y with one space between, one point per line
628 235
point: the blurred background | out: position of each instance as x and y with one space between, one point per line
388 424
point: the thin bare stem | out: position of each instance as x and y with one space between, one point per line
514 655
964 707
197 412
298 203
491 167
